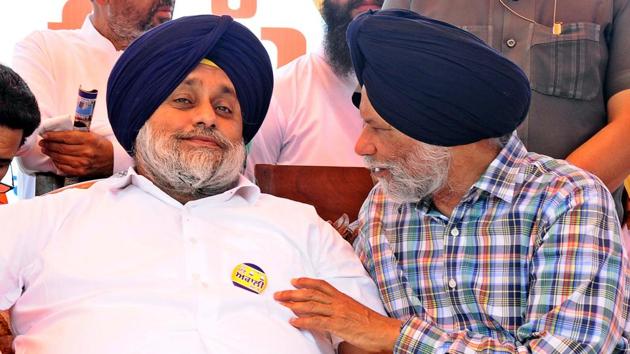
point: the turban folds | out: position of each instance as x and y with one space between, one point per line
159 60
435 82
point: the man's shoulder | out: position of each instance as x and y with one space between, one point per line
53 37
551 170
562 183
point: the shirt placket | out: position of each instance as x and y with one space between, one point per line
197 265
456 280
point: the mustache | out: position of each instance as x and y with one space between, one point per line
370 163
210 133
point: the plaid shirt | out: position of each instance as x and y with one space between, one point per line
529 261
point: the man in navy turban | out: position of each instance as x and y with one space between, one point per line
181 254
475 243
155 70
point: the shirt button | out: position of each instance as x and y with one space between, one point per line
195 276
511 43
452 284
454 232
192 240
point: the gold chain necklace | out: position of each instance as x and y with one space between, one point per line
557 26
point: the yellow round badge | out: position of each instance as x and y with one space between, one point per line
250 277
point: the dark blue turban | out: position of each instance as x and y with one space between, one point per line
435 82
158 61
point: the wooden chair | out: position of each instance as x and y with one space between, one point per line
331 190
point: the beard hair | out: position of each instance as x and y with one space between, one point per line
337 19
193 172
129 24
415 175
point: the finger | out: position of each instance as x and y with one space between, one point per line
316 284
319 323
69 137
308 308
65 149
302 295
71 161
67 170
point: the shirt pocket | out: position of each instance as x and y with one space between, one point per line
567 65
482 32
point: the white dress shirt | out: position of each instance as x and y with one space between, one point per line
54 64
311 118
124 268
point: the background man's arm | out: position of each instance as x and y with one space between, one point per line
67 153
607 153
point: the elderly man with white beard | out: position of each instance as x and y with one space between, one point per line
476 244
182 254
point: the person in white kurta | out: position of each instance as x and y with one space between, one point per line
123 267
55 63
311 119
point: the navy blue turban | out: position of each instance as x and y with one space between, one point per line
157 62
435 82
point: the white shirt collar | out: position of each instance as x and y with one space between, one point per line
245 191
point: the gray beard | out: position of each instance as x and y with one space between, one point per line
194 173
415 175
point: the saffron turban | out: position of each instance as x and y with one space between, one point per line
435 82
158 61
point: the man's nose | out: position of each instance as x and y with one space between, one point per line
364 146
205 115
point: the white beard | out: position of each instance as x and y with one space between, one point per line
416 174
195 172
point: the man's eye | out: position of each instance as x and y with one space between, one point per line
379 128
224 109
183 100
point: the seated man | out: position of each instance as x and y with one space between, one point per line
182 254
476 245
19 117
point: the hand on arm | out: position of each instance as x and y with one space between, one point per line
77 153
319 306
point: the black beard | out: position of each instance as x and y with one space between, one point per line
337 19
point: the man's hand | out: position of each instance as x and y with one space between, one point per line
81 154
319 306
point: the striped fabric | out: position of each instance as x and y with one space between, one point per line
529 261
